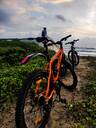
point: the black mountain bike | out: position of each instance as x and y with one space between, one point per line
37 93
72 54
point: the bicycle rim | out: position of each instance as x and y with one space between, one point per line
75 57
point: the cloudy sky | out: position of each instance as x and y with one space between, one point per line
25 18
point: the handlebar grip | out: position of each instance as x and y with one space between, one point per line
69 36
65 38
76 40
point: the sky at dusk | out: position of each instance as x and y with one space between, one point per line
26 18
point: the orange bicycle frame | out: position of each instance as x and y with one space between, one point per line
55 78
58 56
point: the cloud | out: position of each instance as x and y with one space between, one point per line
4 17
55 1
0 1
2 30
37 8
60 17
23 17
82 31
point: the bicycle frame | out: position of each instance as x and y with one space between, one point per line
50 71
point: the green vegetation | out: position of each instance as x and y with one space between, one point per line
11 72
84 112
17 43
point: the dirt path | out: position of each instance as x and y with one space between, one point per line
59 116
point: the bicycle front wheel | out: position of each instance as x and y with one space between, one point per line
73 57
31 109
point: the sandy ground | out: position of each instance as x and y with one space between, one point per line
59 117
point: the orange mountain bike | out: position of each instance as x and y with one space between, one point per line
37 93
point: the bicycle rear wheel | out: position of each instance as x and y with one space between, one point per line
31 109
69 81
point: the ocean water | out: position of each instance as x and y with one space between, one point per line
82 51
83 48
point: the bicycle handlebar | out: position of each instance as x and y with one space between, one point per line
58 42
72 42
46 40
